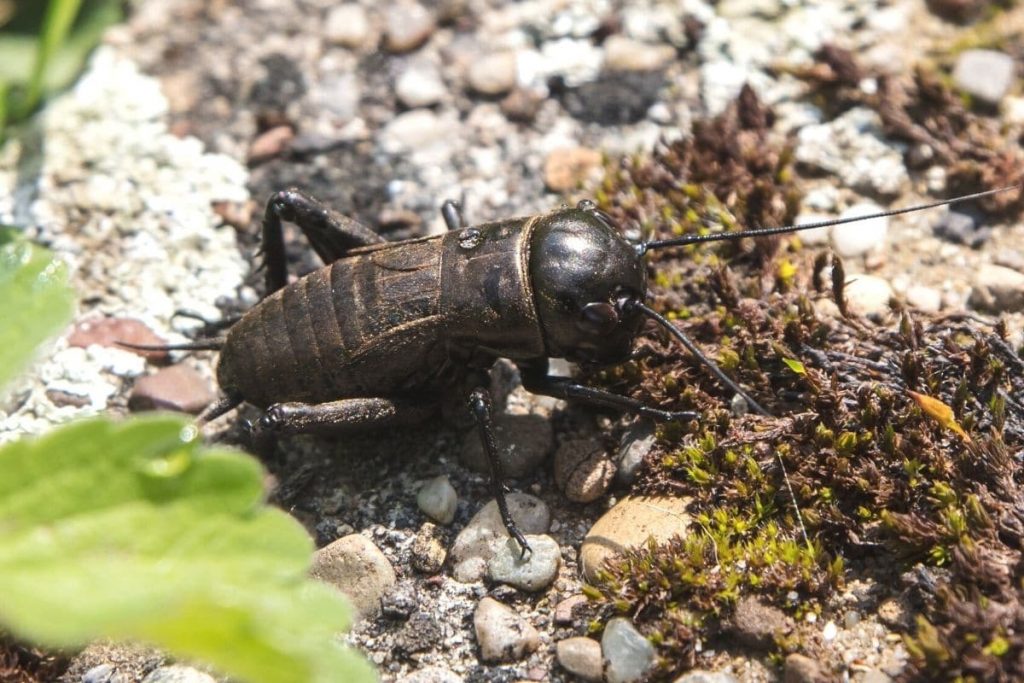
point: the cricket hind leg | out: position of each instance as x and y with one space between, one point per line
331 234
338 416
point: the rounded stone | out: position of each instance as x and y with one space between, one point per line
629 524
923 298
985 74
627 654
428 551
581 657
867 295
432 674
533 572
420 85
502 634
624 54
438 500
566 168
475 545
856 239
998 289
407 25
636 443
582 470
356 567
524 442
347 25
494 74
702 676
802 669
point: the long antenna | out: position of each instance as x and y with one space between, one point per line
644 247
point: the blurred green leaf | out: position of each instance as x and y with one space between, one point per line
99 538
35 301
795 365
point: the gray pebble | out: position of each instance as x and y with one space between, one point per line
356 567
998 289
582 470
580 657
438 500
178 673
627 654
494 74
635 445
853 148
859 238
347 25
476 541
98 674
701 676
985 74
420 85
407 25
962 227
756 624
802 669
524 442
534 572
428 551
624 54
502 634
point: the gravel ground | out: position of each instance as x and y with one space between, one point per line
150 174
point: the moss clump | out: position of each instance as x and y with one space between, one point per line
875 474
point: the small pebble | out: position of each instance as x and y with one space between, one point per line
802 669
998 289
474 546
109 331
923 298
178 673
407 25
356 567
347 25
502 634
627 654
98 674
624 54
270 144
582 470
963 227
815 235
420 85
179 388
756 624
636 443
432 674
568 167
494 74
581 657
428 551
851 619
438 500
830 631
525 441
534 572
565 611
859 238
985 74
867 295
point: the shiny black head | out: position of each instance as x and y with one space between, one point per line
586 279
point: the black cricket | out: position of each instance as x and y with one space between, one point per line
368 340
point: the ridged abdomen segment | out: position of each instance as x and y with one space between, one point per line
362 326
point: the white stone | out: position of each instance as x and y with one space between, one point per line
627 654
420 85
857 239
985 74
502 634
924 298
624 54
867 294
347 25
438 500
477 540
814 235
493 74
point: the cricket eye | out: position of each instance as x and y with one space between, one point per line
599 318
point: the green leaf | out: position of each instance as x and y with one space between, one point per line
135 531
35 302
795 365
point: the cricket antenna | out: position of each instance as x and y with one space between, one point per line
717 371
213 344
644 247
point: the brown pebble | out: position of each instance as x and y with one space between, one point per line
108 331
521 105
565 611
582 470
178 388
236 214
270 143
428 549
566 168
802 669
756 624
